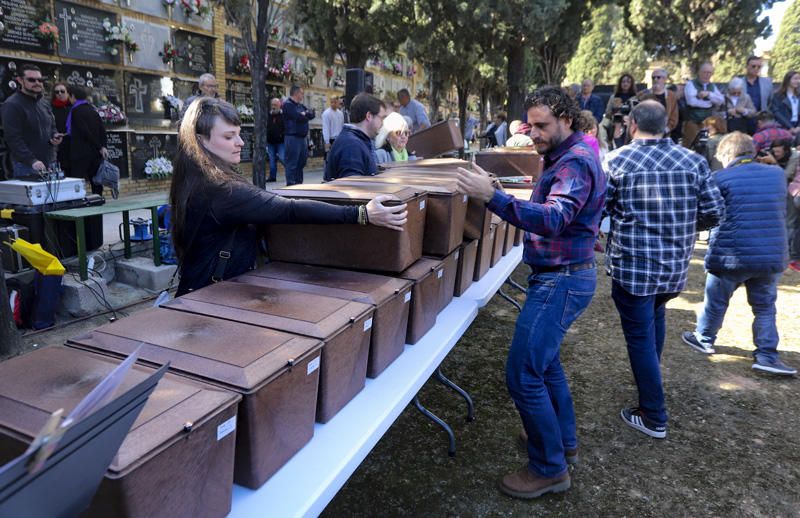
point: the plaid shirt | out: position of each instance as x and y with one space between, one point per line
764 137
658 194
562 217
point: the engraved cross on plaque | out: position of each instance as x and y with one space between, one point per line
67 19
155 145
137 89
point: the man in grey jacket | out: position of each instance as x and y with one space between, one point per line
29 125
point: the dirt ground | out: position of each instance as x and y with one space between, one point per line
731 449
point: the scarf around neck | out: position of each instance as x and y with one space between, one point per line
399 156
69 115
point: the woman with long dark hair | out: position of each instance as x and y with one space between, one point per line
785 104
214 208
59 102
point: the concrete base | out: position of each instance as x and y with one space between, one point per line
82 299
142 273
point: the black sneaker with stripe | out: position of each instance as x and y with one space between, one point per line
634 418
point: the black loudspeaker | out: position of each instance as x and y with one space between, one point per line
357 80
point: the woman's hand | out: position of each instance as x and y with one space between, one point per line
393 217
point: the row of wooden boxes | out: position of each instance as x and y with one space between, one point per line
256 360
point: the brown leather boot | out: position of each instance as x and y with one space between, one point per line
570 455
527 485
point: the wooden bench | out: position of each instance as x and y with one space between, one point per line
138 202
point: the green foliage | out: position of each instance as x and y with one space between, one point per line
693 31
786 53
558 42
354 30
607 49
731 64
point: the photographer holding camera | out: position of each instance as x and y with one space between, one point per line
618 108
702 100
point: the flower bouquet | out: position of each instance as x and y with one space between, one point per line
411 71
338 81
159 167
111 113
310 71
169 54
397 69
172 106
47 32
243 66
286 70
195 8
119 34
246 114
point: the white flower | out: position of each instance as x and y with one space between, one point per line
115 29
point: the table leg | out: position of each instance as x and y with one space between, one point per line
126 233
451 450
156 236
461 392
80 234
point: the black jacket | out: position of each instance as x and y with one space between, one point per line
275 128
28 126
212 216
88 133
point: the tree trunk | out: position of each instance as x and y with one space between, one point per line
484 101
436 93
515 75
257 48
10 340
463 92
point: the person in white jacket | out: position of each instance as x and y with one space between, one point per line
332 123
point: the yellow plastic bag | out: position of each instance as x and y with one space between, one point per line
45 262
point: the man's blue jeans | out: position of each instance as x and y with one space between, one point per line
762 292
296 153
275 152
644 326
535 378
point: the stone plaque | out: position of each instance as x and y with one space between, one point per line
103 85
20 18
248 136
151 38
234 50
205 22
118 151
142 96
238 92
81 34
183 89
197 53
145 146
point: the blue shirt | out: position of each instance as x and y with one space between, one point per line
416 112
754 91
295 118
352 154
562 217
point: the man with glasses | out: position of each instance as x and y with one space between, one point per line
29 125
590 101
758 88
353 153
667 98
207 86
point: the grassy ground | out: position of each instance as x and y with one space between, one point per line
731 448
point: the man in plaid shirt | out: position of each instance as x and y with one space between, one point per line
659 195
769 131
561 223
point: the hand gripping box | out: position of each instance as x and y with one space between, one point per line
344 328
178 457
276 374
446 211
391 298
351 246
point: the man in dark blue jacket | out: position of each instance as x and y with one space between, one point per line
295 121
353 152
590 101
748 247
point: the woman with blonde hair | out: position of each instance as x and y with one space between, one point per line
391 142
214 208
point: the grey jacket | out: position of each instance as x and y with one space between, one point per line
28 126
766 87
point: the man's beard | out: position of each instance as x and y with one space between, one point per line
551 144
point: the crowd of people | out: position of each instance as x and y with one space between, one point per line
632 159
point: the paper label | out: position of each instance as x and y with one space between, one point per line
422 205
226 428
457 254
407 297
368 324
439 274
313 365
465 198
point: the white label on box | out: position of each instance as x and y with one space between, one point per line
225 428
407 297
465 198
313 365
439 274
368 324
422 205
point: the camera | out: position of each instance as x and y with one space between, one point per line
700 143
622 109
